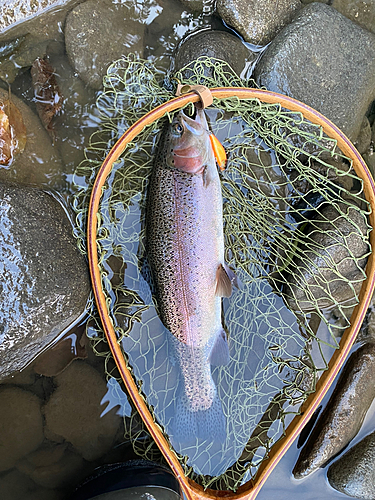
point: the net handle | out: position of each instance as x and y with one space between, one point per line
249 490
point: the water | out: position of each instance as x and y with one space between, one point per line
167 22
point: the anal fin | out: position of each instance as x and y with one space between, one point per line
219 355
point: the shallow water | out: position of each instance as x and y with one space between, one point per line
73 127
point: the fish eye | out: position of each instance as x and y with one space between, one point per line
178 128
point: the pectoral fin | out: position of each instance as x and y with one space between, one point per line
225 279
220 351
219 151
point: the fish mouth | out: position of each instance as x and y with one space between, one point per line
196 123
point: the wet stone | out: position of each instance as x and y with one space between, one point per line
330 269
39 163
359 11
74 412
52 466
217 44
96 34
364 138
354 473
258 21
326 61
344 413
21 425
196 5
44 278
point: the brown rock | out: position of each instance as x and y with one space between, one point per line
344 413
21 425
74 411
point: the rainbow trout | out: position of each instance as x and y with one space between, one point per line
185 251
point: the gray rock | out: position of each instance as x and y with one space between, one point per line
43 276
258 21
78 399
359 11
194 5
344 413
21 425
330 267
217 44
41 17
96 34
364 138
39 163
354 473
326 61
30 48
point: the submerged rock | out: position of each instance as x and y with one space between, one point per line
21 425
74 412
39 163
96 34
217 44
330 269
44 279
15 12
354 473
52 466
326 61
258 21
344 413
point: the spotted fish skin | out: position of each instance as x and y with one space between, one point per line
185 250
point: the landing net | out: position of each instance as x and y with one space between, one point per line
296 232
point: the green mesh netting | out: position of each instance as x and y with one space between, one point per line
296 232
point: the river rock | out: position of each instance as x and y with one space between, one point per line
359 11
217 44
39 17
98 33
21 425
15 486
196 5
39 163
364 138
344 413
354 473
74 412
329 270
326 61
258 21
52 466
44 278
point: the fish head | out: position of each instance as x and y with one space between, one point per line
188 143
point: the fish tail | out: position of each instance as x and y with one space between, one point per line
204 424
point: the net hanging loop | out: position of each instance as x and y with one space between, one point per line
204 93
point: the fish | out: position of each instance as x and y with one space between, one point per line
185 253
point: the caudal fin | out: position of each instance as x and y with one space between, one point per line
188 425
